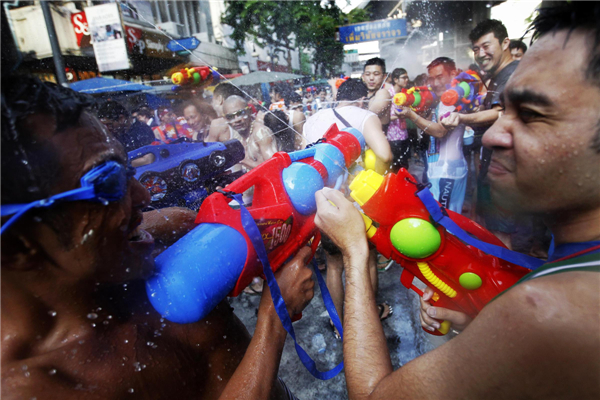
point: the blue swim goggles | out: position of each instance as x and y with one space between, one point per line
104 183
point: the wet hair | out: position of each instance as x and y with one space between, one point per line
518 44
447 62
283 132
421 80
227 89
574 15
352 89
30 166
397 72
292 98
489 26
202 107
375 61
112 110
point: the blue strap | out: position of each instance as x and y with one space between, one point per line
256 239
19 210
441 218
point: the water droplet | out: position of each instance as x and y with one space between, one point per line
128 270
224 336
126 341
219 377
27 374
130 390
52 313
52 372
24 367
25 162
92 316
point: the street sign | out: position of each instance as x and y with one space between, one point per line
373 30
183 44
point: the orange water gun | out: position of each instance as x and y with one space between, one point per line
398 223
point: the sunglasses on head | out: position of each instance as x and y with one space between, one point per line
243 112
104 183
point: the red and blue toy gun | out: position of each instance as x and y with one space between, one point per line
419 98
464 92
218 258
195 76
463 277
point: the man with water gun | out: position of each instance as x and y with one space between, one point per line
540 338
76 321
446 165
491 46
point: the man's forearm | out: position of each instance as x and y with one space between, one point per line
257 373
366 355
486 117
430 128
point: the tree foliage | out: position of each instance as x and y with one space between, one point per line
291 25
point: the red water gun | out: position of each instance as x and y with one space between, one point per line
218 258
464 92
419 98
195 76
463 277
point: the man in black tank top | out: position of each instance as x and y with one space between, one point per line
540 338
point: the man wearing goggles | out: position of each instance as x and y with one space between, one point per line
75 253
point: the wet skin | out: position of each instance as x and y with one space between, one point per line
544 139
75 316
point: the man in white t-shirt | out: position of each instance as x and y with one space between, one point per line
349 112
446 164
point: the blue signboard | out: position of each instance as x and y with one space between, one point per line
373 30
183 44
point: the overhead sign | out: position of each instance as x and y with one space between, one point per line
183 44
373 30
106 31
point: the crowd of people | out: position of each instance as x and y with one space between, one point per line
75 313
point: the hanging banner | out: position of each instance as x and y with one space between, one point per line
373 30
106 31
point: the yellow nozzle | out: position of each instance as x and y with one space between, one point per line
445 327
400 99
364 186
177 77
369 227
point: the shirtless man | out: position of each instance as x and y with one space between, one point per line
219 129
76 321
540 339
257 139
379 96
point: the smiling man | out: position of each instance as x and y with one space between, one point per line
76 321
379 97
541 338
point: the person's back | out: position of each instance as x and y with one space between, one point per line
316 125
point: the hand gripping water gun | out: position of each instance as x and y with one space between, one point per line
464 92
217 257
419 98
195 76
463 277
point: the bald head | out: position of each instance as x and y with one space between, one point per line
238 114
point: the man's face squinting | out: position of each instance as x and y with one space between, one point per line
543 161
105 243
373 77
439 78
516 54
238 116
488 52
